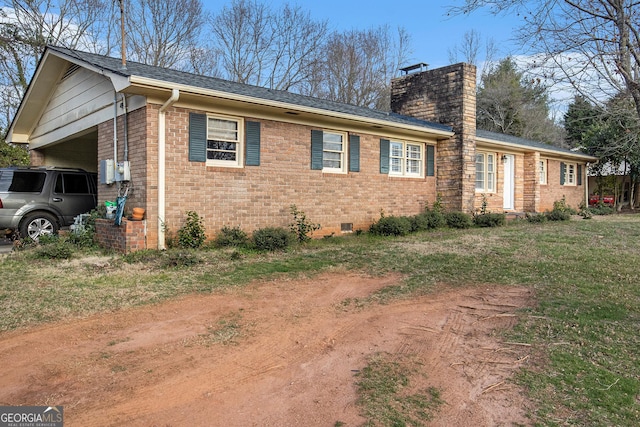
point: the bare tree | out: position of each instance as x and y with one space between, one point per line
28 26
162 33
470 48
357 66
264 47
592 45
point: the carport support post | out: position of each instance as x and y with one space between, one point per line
175 94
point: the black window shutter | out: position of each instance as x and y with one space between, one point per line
197 137
563 168
316 149
579 174
354 153
384 156
253 143
431 160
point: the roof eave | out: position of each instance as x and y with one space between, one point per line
524 148
165 85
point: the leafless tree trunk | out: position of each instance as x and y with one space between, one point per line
592 45
162 33
28 26
357 66
271 48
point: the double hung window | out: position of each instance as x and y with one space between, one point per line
224 141
485 172
406 159
333 151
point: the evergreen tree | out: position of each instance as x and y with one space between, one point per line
509 103
578 120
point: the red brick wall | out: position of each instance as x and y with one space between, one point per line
553 191
129 236
260 196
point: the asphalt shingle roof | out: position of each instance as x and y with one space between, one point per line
527 143
114 65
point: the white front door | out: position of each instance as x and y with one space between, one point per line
509 178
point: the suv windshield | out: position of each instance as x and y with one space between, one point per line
21 181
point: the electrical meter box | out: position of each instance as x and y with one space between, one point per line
122 172
106 171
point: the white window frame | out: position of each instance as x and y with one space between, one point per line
543 171
406 155
570 171
326 151
238 140
488 172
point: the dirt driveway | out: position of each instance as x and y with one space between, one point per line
281 353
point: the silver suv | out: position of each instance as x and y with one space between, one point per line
39 200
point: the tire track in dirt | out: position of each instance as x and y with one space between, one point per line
293 364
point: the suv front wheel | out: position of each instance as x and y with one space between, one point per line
38 223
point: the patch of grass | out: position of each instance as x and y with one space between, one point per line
583 329
388 397
226 331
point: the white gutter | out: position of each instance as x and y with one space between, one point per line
175 94
144 81
527 148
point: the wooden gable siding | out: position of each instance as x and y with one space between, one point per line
79 102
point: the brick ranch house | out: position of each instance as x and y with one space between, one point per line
241 155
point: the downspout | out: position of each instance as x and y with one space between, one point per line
586 185
126 132
175 94
115 128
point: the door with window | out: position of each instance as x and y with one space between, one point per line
509 178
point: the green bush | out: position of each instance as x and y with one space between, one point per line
192 234
231 236
490 220
301 227
53 247
391 226
601 209
271 239
458 220
558 215
561 206
535 217
428 220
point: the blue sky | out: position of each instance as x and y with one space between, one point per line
432 32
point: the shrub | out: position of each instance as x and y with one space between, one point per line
53 247
271 239
391 226
229 236
558 215
535 217
490 220
601 209
561 206
428 220
458 220
301 227
192 234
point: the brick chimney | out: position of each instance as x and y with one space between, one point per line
445 95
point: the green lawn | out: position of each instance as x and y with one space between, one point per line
585 274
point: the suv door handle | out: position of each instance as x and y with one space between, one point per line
57 199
